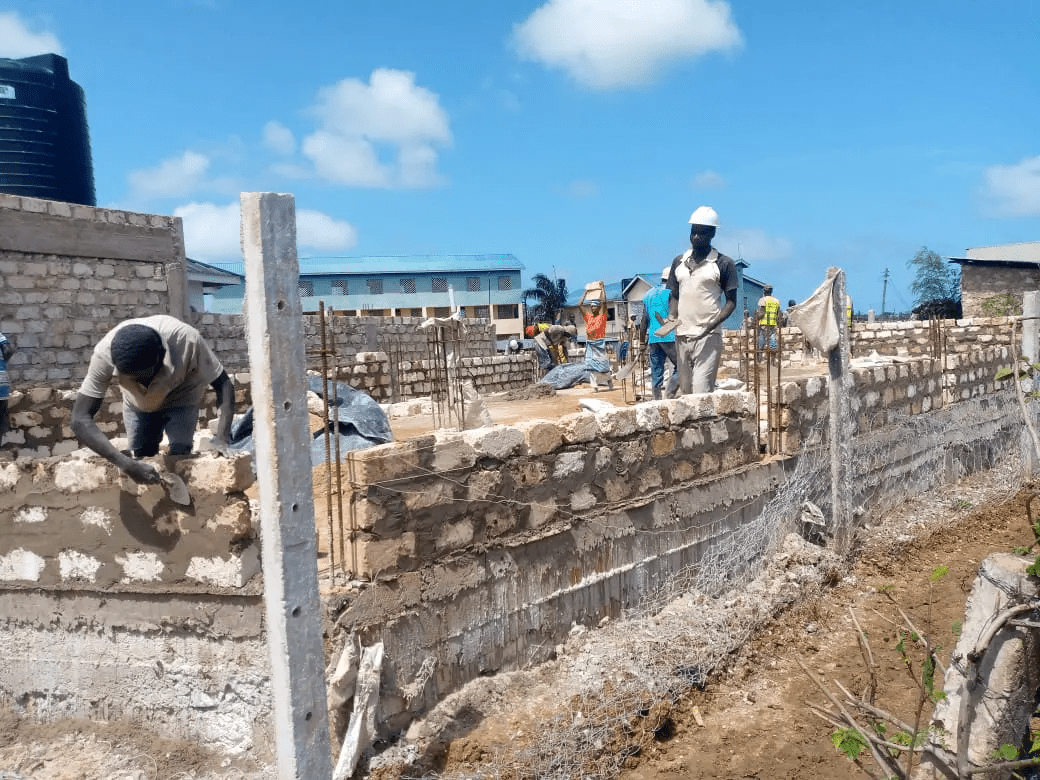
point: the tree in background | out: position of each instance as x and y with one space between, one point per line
936 286
550 296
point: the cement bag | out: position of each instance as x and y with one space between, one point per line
814 317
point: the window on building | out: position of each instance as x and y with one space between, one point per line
408 286
482 312
340 287
472 284
441 311
610 314
415 312
306 289
508 311
505 283
375 286
439 284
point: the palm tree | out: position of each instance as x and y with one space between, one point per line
550 296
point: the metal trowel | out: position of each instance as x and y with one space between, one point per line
175 488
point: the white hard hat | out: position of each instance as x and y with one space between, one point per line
665 272
705 215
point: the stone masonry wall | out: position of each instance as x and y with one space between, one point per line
116 603
909 338
398 337
68 273
887 394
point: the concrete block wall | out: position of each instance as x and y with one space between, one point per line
397 337
909 338
68 273
116 603
884 395
76 522
528 478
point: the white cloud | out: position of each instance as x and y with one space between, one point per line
608 44
1014 189
753 244
320 231
212 231
279 138
361 123
17 40
708 180
582 188
172 178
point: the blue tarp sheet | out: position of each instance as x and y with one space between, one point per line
357 418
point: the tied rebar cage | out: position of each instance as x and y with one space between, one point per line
336 534
444 348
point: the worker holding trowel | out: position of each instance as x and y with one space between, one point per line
163 367
698 280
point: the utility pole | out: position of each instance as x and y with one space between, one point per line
884 289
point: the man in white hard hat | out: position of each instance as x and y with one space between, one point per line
698 280
660 348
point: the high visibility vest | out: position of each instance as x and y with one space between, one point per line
770 312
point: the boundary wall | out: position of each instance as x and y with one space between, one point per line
481 549
116 602
474 552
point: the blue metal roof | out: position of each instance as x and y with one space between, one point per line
615 291
391 264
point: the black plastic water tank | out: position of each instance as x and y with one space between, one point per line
44 139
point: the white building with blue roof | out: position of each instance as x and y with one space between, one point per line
484 286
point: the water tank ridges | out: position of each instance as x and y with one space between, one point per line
44 139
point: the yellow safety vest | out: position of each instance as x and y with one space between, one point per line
770 312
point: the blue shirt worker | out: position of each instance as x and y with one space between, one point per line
163 368
660 348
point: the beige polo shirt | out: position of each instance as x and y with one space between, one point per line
188 368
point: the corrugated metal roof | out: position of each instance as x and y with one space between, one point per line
211 273
404 264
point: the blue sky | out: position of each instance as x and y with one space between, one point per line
576 134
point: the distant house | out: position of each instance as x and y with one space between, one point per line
989 272
204 281
485 287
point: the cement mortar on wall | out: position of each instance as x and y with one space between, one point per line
195 667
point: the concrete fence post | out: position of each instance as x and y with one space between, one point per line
274 325
839 387
1031 325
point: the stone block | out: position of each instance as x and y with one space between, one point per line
540 436
451 452
21 565
653 415
701 405
528 473
384 462
582 499
578 428
215 474
729 402
569 464
662 443
424 495
482 485
617 423
541 513
231 571
454 536
495 441
377 556
74 565
80 476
